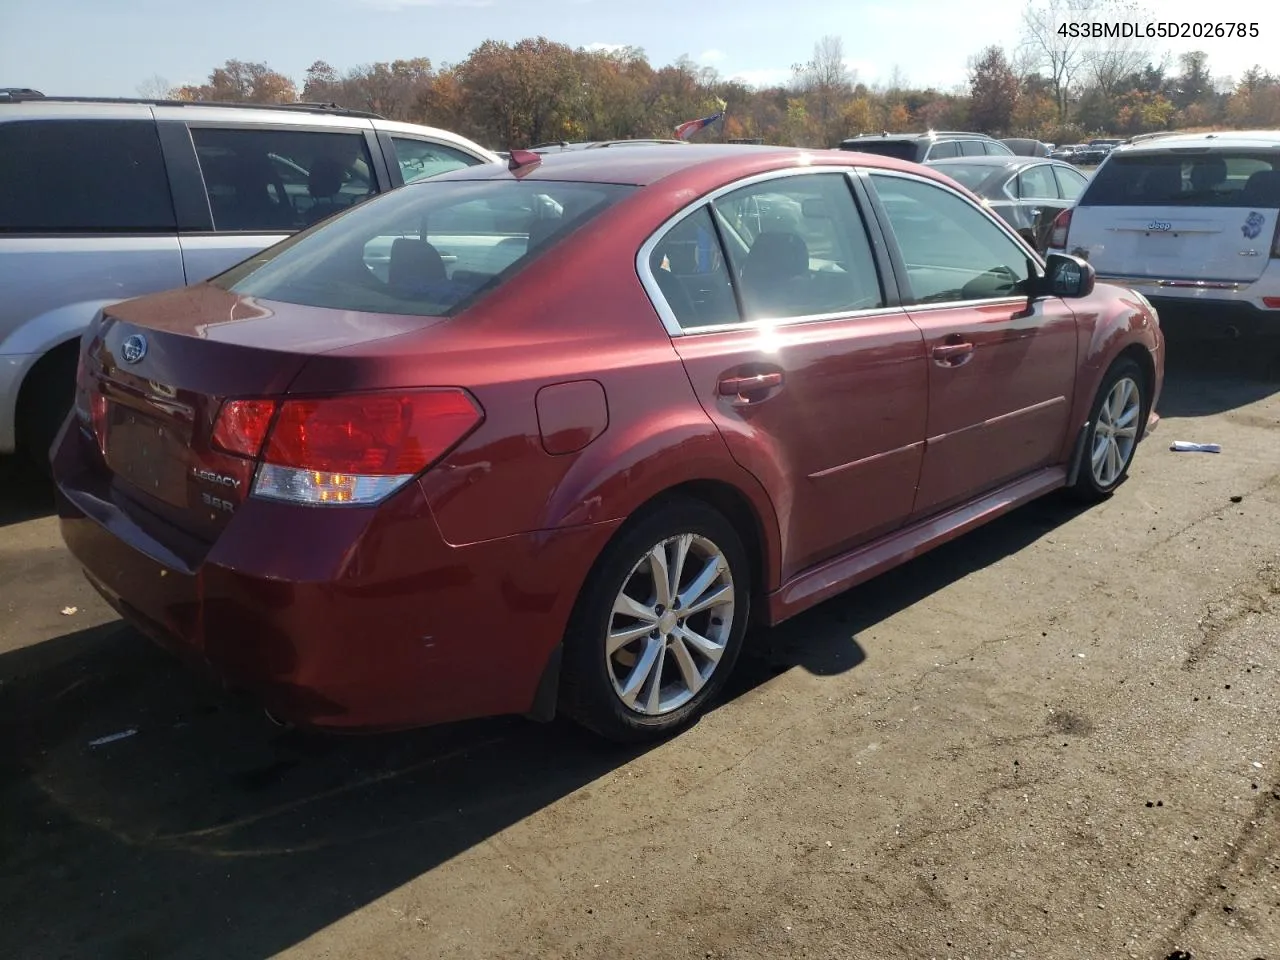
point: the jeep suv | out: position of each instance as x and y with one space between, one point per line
934 145
1192 222
105 200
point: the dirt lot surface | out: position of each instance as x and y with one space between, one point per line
1054 738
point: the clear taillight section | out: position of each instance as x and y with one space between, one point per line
1061 227
351 449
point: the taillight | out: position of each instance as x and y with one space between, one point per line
357 448
242 426
1061 227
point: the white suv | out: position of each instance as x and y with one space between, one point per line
1190 221
105 200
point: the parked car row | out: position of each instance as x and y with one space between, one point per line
122 198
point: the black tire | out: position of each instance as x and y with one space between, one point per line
1090 487
45 403
587 691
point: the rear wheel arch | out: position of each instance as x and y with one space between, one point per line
45 396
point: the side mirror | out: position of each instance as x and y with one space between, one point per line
1067 276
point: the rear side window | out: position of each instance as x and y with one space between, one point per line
279 181
944 149
1070 183
972 148
83 176
419 159
431 249
1218 179
1038 182
690 269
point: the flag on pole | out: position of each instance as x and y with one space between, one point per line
690 127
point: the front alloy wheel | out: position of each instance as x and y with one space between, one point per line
1116 432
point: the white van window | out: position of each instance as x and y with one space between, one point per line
1217 179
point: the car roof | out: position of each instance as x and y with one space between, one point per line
1227 140
39 102
926 135
643 165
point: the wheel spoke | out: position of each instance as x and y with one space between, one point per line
1099 452
693 593
707 648
620 638
1113 461
1127 417
1126 433
641 671
653 703
629 607
661 574
683 543
711 598
688 669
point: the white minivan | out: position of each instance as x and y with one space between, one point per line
1190 221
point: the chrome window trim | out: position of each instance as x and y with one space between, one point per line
654 292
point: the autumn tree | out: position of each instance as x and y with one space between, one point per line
826 84
993 91
239 82
1060 59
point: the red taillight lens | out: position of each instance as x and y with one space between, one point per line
1061 227
242 426
373 435
1271 303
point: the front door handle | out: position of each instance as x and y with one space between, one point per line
952 354
749 389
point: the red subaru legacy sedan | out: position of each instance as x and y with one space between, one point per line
543 437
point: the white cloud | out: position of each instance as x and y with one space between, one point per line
711 56
605 47
766 77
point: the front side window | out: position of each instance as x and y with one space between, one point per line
944 149
952 251
972 148
798 247
431 249
419 159
83 176
280 181
1071 184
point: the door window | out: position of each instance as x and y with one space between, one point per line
952 251
1037 182
1071 184
798 247
59 176
279 181
690 269
944 149
420 159
972 148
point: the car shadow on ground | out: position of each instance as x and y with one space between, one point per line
1206 377
24 493
203 830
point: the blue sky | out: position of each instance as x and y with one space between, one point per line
108 47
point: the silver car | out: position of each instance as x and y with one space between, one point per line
105 200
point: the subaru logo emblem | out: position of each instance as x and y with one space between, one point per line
134 348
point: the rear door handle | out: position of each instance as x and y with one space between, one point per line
742 389
952 354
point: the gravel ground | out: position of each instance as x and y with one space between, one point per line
1056 737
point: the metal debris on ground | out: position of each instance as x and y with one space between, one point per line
1186 446
112 738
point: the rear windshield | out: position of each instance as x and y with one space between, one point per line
1217 179
898 149
432 248
971 175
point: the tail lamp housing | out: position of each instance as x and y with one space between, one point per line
349 449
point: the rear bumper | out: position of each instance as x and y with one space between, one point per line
355 619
